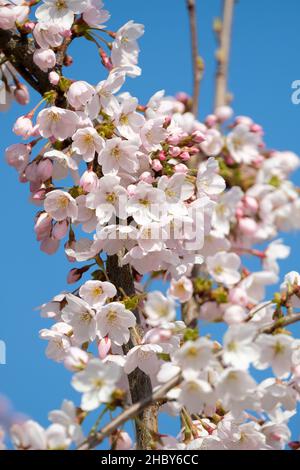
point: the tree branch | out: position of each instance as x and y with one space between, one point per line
130 413
282 323
139 383
221 97
19 51
197 62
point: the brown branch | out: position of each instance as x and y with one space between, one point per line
19 51
139 383
282 323
221 97
197 61
133 411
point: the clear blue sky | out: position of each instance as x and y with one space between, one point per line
264 62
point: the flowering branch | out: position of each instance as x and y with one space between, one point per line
19 51
133 411
222 54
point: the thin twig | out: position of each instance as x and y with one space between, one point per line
130 413
197 62
223 54
282 323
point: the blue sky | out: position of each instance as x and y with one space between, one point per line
264 63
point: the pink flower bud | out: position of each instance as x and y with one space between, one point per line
185 156
223 113
162 156
60 230
104 347
182 97
193 150
174 151
198 137
23 127
89 181
7 18
121 440
43 226
156 165
79 94
17 156
211 120
229 160
29 26
181 168
21 94
49 246
251 203
44 169
54 78
67 33
31 172
146 177
257 129
243 120
45 59
173 139
74 275
39 195
247 226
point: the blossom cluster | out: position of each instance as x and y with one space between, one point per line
173 198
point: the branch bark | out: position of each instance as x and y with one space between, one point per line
146 421
19 51
130 413
223 54
196 60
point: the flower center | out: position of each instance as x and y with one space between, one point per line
116 152
86 317
124 119
63 202
61 4
97 291
111 197
218 269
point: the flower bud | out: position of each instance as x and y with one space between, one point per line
23 127
21 94
156 165
45 59
60 230
54 78
104 347
89 181
44 169
247 226
223 113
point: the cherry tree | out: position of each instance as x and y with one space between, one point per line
138 192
